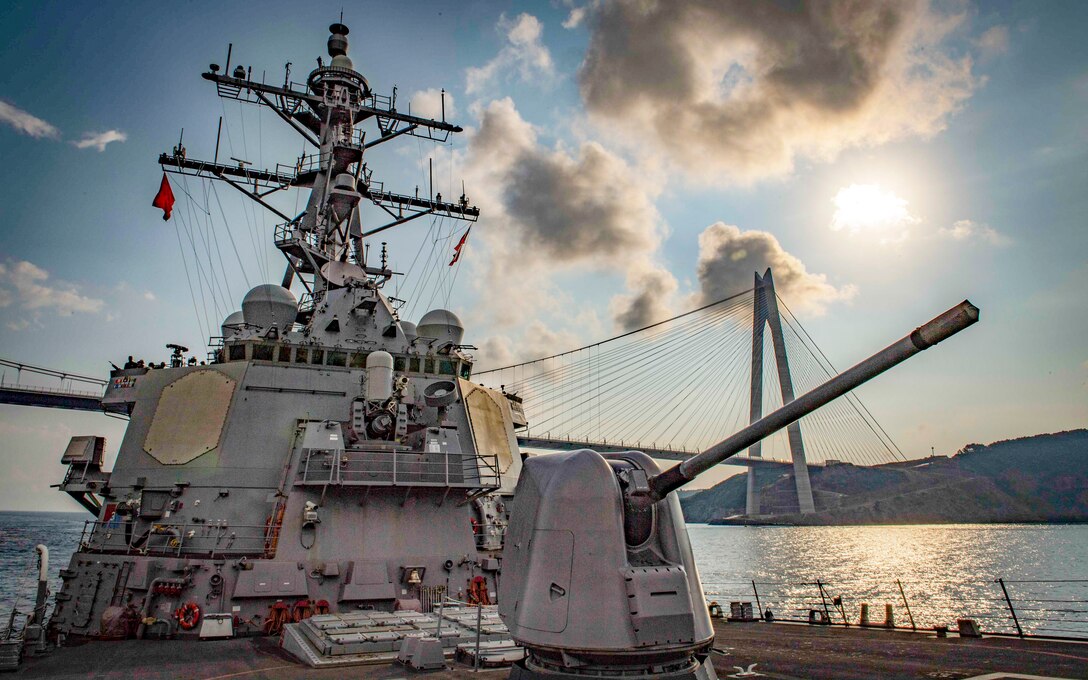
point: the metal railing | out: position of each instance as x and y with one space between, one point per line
211 538
66 380
287 232
1023 608
489 534
398 468
38 389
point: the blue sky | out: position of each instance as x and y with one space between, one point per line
964 139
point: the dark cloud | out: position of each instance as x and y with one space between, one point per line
728 258
580 208
557 208
740 88
651 299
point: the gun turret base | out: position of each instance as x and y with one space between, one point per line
533 668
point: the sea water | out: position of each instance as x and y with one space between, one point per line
933 574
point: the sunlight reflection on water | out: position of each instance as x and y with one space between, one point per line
947 571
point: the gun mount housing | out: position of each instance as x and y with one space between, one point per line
599 579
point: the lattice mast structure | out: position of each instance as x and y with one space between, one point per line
328 113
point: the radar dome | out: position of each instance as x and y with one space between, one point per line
269 305
232 324
342 61
409 330
443 325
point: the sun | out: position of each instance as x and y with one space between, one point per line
872 209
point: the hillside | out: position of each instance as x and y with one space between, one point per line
1043 478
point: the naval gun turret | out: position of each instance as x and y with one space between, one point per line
598 575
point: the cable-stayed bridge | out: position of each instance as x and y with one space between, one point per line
674 388
670 389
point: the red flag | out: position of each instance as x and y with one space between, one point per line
457 248
164 200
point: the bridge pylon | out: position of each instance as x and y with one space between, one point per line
765 314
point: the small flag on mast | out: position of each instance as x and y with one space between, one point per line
457 248
164 200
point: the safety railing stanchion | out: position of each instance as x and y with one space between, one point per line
759 606
906 604
1008 601
479 627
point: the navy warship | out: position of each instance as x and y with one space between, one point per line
330 454
331 488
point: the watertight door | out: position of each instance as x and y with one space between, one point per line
544 606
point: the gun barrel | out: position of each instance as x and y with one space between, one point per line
951 322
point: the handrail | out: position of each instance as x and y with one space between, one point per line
53 373
1040 608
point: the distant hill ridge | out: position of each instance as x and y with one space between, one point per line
1042 478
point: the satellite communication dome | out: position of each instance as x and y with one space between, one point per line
269 305
443 325
409 330
342 61
232 324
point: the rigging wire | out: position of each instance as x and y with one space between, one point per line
237 255
200 328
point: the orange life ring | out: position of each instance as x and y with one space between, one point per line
188 615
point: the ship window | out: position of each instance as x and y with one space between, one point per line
262 352
302 355
318 356
338 359
413 364
466 370
358 360
285 353
446 367
429 366
399 364
237 352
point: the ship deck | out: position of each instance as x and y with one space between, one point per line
766 650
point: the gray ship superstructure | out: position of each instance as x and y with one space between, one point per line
331 456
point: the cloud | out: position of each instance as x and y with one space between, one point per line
967 230
576 17
651 300
869 208
29 285
738 91
523 51
538 341
99 140
149 296
559 209
993 42
728 258
27 123
428 104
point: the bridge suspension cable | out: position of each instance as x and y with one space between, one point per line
682 384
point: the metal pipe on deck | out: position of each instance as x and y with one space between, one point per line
944 326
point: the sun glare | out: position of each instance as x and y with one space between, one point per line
872 209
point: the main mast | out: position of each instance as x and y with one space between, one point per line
324 244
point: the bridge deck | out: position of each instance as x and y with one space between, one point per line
27 395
